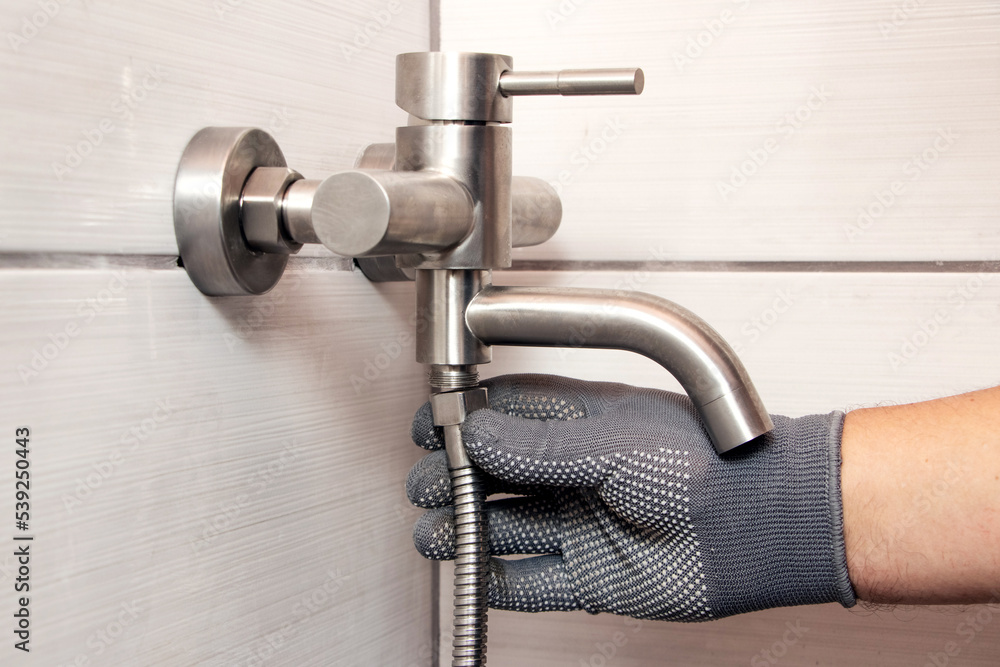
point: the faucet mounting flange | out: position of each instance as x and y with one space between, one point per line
208 191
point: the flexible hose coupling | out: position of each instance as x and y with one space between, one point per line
450 410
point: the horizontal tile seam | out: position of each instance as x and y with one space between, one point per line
83 261
803 266
68 260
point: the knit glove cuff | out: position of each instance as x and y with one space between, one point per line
776 520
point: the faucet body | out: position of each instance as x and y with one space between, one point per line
441 205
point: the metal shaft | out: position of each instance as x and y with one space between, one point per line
677 339
573 82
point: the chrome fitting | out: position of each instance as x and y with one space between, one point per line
449 410
261 210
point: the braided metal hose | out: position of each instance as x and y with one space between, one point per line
472 562
472 554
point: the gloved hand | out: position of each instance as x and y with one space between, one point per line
632 508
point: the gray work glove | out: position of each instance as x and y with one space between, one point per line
632 508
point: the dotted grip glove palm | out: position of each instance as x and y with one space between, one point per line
631 509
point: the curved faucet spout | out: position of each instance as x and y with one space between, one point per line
670 335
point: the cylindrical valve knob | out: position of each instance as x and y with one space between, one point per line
535 211
366 213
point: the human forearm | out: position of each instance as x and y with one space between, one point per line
921 492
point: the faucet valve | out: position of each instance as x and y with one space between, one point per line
441 197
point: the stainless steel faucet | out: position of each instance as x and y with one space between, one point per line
441 206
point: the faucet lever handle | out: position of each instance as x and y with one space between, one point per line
628 81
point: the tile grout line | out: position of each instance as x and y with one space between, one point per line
70 260
821 266
435 21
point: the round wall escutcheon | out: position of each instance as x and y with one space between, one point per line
213 169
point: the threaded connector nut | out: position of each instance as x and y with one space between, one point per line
450 408
260 210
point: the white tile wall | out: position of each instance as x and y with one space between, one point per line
819 635
888 95
211 464
209 486
641 176
101 100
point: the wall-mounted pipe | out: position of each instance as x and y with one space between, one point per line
674 337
